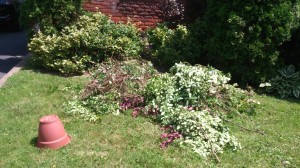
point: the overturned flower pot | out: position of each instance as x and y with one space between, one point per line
52 133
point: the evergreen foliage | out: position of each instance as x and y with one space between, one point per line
92 39
49 16
242 37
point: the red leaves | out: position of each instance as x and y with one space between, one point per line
169 137
131 102
136 102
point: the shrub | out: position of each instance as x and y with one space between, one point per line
170 46
49 16
242 37
290 50
93 38
193 100
286 84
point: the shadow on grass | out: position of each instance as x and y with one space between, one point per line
276 97
290 100
31 66
33 141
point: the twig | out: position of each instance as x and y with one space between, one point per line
247 129
218 159
212 150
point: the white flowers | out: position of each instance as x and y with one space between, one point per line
265 84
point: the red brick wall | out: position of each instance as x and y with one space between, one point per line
144 13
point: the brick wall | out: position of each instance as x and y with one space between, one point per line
144 13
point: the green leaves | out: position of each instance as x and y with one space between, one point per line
289 72
243 34
233 36
296 91
286 83
170 46
51 16
91 39
192 100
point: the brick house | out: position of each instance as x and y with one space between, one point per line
144 13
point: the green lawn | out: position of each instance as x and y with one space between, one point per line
122 141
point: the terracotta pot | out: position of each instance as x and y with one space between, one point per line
52 133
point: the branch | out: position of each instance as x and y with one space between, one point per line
247 129
212 150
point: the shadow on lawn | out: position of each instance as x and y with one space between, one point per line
290 100
30 66
276 97
33 141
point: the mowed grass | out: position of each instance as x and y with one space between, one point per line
123 141
279 147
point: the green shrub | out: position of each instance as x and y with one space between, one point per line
170 46
242 37
193 100
286 84
49 16
93 38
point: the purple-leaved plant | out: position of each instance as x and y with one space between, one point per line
135 102
169 137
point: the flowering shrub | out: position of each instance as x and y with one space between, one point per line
92 39
193 101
